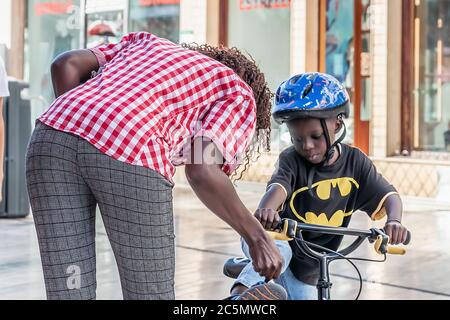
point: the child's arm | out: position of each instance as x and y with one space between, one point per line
393 227
267 212
379 198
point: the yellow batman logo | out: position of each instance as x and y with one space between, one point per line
323 192
336 219
343 184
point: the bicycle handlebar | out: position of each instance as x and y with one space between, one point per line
290 229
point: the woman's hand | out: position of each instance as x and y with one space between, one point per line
217 192
266 257
268 217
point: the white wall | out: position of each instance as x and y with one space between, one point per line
5 26
298 36
378 141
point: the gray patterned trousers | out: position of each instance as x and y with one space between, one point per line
66 178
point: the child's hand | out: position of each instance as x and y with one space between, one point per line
269 218
396 231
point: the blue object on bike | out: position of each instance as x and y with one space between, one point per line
310 95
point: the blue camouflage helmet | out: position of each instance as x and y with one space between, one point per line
310 95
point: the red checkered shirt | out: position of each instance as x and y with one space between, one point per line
151 98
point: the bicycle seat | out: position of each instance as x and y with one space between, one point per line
233 266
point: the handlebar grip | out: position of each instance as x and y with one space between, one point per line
288 228
396 250
381 246
278 236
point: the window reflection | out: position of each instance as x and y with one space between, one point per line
248 30
104 27
432 75
161 18
340 50
52 28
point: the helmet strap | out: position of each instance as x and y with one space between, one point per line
328 155
330 151
330 148
339 140
342 136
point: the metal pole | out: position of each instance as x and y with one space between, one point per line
324 284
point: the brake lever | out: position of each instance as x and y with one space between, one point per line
382 246
287 227
381 241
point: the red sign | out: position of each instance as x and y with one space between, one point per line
264 4
148 3
54 7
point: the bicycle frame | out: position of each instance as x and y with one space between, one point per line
292 230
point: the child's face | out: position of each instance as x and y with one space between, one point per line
308 138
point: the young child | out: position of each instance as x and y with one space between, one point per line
318 180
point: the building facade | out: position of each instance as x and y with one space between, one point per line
392 55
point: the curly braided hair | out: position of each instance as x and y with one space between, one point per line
248 71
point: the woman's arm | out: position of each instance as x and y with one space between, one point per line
216 191
72 68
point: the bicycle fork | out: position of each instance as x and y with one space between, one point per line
324 284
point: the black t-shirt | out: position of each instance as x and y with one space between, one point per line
337 191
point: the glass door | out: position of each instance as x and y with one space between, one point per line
339 50
347 54
160 17
52 28
262 30
432 75
105 21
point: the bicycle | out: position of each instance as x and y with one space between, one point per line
290 230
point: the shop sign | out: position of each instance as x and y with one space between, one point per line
264 4
53 7
148 3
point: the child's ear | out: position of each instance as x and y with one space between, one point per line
338 125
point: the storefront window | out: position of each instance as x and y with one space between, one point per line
366 57
104 21
339 55
262 29
264 33
160 17
104 27
432 75
53 27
